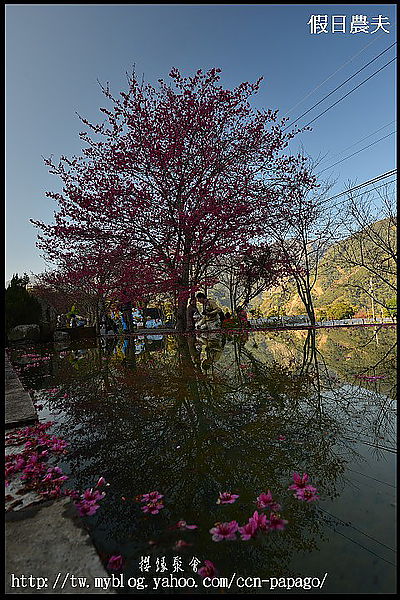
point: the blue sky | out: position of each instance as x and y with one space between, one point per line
56 53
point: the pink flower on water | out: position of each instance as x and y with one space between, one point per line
184 525
248 531
19 464
227 498
276 523
61 479
48 478
224 531
92 496
153 508
181 544
265 500
300 482
54 493
260 521
101 482
72 493
308 494
115 563
151 497
58 445
86 509
208 570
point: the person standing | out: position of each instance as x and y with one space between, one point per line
211 313
193 314
126 310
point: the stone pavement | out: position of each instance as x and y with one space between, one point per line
19 409
48 541
44 539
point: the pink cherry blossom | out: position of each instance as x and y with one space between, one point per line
101 482
72 493
208 570
184 525
265 500
153 508
93 495
86 509
115 562
308 494
299 481
248 530
224 531
227 498
260 521
181 544
151 497
276 523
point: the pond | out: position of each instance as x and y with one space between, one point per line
195 417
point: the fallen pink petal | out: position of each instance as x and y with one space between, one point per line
224 531
276 522
265 500
151 497
152 508
184 525
208 570
115 563
227 498
181 544
248 530
300 481
307 494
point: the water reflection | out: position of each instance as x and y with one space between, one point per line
192 416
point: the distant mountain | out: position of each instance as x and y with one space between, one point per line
336 282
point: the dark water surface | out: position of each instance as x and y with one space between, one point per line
192 418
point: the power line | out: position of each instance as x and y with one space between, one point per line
358 151
350 92
374 180
375 188
369 477
334 73
341 85
361 140
358 195
356 529
393 450
363 547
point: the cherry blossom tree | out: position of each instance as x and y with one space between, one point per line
96 279
180 174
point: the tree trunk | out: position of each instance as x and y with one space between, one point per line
305 296
181 316
310 310
181 320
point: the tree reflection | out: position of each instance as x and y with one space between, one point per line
194 417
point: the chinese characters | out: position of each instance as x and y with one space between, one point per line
339 24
